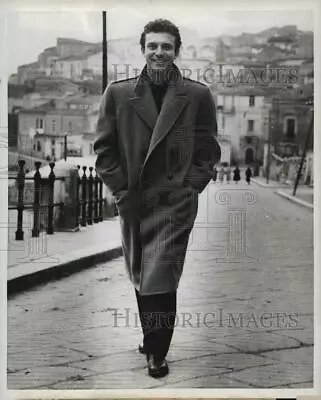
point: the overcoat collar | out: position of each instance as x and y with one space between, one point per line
174 102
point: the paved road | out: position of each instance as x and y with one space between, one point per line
245 314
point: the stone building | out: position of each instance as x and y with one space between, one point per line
42 130
242 117
290 119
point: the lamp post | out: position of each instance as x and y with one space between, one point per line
65 147
269 150
104 45
307 139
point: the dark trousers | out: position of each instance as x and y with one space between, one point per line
157 316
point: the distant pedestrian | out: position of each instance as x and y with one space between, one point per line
248 174
214 176
236 175
221 174
228 174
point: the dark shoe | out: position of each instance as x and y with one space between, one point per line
156 369
141 349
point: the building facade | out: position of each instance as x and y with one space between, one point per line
241 117
290 120
42 130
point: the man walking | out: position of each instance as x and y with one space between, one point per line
214 176
155 148
236 174
248 174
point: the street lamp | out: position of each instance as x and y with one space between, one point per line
104 53
269 150
310 102
65 147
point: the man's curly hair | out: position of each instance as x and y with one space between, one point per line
162 25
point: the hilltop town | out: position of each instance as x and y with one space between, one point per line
55 99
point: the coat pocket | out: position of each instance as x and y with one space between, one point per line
127 201
120 196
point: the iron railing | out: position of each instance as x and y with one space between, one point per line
89 199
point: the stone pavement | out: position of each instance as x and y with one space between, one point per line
304 194
36 260
261 181
245 309
31 249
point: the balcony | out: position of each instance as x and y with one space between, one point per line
287 149
250 139
229 110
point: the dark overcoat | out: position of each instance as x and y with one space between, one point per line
237 175
155 166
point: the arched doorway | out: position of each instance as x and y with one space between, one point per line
249 156
192 51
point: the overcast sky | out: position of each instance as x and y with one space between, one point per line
29 33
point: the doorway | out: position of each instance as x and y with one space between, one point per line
249 156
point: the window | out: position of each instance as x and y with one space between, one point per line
249 139
290 128
70 126
54 125
223 122
53 152
53 142
250 125
251 101
38 146
91 148
39 123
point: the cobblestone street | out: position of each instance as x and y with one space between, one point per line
245 308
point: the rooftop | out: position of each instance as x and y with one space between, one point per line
264 91
80 56
33 64
49 108
83 99
62 40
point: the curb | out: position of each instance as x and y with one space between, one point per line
61 270
269 185
295 199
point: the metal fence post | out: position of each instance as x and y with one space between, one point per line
36 201
20 206
84 197
51 199
78 198
90 196
96 181
100 212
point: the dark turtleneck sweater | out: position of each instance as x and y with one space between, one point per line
158 91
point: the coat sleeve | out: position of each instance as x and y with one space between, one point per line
106 147
207 151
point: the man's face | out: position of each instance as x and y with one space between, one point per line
159 50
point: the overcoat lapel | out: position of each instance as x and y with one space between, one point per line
144 103
174 103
